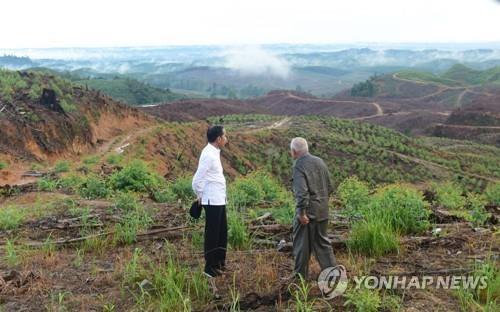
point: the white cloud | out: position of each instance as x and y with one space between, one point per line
254 61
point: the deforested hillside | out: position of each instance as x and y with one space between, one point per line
43 116
278 102
113 224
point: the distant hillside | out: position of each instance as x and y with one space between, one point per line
477 120
9 61
44 116
196 109
470 76
373 153
120 87
278 102
222 82
130 91
414 102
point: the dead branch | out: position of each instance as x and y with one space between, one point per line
140 237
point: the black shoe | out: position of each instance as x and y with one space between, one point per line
209 275
212 272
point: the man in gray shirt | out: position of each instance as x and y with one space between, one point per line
311 187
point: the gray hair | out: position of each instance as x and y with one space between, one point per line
299 145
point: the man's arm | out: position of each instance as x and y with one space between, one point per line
301 191
330 185
199 177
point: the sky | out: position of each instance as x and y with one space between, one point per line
112 23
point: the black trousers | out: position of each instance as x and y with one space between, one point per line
215 238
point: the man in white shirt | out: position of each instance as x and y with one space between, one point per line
209 185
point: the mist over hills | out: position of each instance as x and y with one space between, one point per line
243 72
414 88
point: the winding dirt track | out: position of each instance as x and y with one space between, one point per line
379 110
441 88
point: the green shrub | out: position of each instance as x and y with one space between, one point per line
475 206
11 254
238 236
182 189
479 298
132 223
177 287
363 300
91 160
245 191
391 302
197 239
373 237
449 195
400 207
136 177
492 193
126 201
302 299
72 182
354 195
94 187
134 271
260 188
164 194
270 187
174 287
114 159
491 294
62 166
3 165
284 213
47 184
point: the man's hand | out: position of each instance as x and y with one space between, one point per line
303 219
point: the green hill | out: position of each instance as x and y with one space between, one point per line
419 76
467 75
457 76
131 91
373 153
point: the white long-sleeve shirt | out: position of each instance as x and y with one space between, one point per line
209 182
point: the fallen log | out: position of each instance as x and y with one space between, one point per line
33 174
162 233
69 241
10 190
72 226
70 220
155 234
265 216
273 228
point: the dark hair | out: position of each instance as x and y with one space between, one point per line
214 132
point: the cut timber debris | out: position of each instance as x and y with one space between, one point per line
150 235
